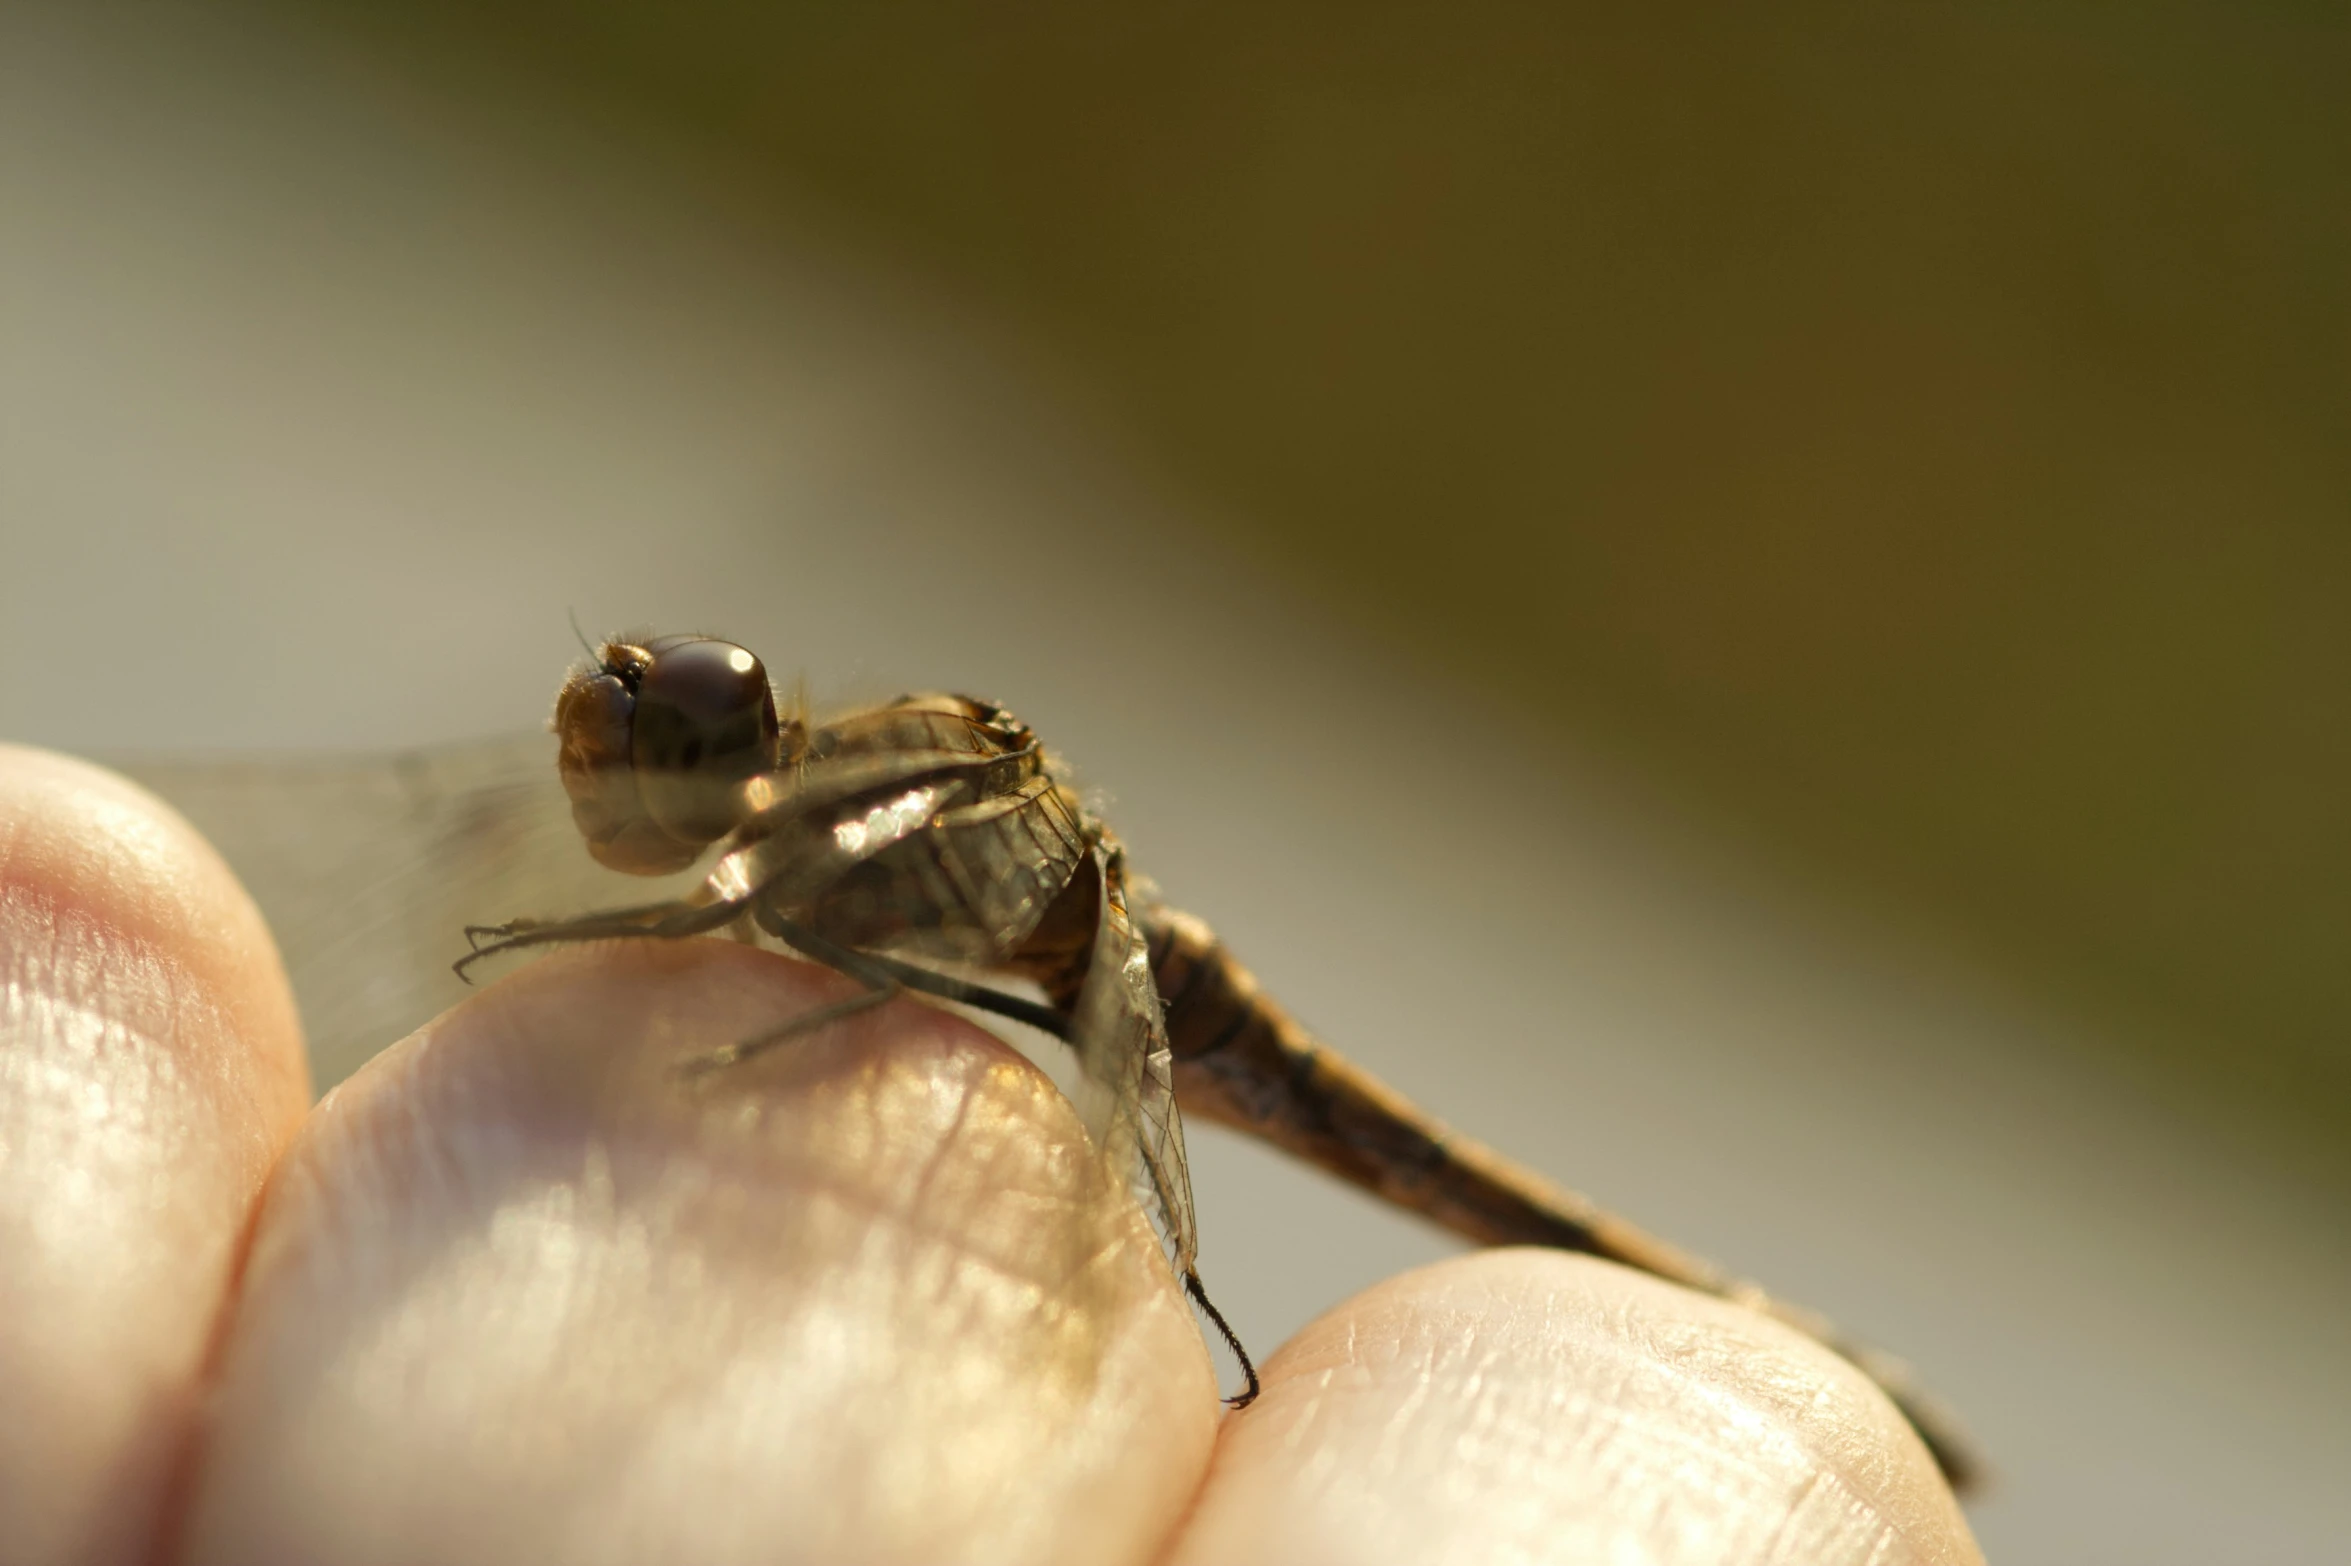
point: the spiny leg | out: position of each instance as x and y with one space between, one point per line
639 912
808 1021
679 921
1232 1340
884 978
872 968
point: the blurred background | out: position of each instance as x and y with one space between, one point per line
1753 607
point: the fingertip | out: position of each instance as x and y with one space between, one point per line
151 1069
523 1291
120 904
1537 1405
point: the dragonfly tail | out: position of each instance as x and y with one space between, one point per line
1242 1060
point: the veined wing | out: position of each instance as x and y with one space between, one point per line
794 859
368 867
797 792
1128 1095
972 886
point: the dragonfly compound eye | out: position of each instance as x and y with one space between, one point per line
705 725
657 742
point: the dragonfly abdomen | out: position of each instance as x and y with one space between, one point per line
1242 1060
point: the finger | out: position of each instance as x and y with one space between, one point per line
522 1293
150 1071
1537 1406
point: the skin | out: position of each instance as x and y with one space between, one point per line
515 1292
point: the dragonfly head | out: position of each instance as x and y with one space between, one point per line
659 737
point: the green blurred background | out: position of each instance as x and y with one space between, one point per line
1916 434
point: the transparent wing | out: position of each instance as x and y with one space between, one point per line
369 867
1128 1095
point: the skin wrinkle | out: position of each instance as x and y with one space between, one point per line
81 841
1787 1537
1698 1386
139 1004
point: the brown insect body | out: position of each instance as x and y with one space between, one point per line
934 827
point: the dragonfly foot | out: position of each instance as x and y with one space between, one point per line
1232 1340
475 934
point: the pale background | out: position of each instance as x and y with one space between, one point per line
333 374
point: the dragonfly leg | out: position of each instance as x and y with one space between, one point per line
807 1022
872 968
1232 1340
884 978
674 921
475 934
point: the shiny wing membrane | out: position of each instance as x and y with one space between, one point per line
1128 1095
985 874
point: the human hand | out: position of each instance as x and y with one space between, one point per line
517 1293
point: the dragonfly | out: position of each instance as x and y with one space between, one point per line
929 845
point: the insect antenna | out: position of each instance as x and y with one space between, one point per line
595 658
